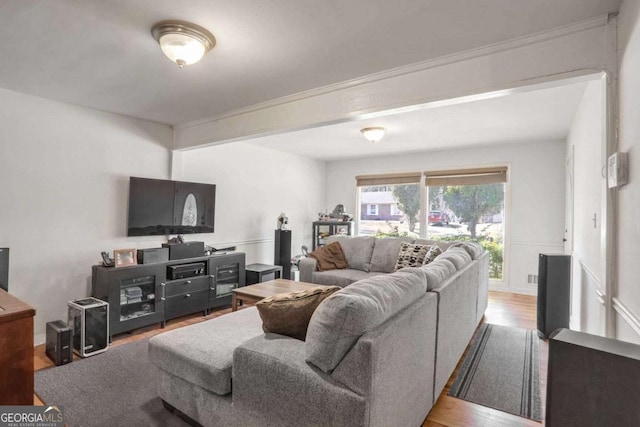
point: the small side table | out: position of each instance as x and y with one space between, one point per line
258 273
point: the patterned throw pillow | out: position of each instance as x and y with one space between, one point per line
411 255
432 253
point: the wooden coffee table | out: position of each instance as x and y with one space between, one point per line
254 293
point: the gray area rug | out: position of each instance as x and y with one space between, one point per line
114 388
502 371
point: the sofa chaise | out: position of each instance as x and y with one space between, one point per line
378 352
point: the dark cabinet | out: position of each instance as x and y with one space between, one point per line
324 229
133 294
229 272
143 295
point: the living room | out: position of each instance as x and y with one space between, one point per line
66 162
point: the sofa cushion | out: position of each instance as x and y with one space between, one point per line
474 249
447 263
385 253
411 255
340 278
346 315
432 253
357 250
458 256
202 354
436 274
443 244
289 313
329 257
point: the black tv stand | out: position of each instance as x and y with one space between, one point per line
144 294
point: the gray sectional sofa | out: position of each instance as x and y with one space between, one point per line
377 353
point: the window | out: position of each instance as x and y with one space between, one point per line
469 205
389 205
464 204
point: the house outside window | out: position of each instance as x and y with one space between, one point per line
372 209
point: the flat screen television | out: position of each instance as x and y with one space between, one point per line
163 207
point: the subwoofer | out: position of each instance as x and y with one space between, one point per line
59 347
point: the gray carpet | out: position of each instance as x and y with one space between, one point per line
114 388
502 371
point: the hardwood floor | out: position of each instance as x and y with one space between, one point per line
504 309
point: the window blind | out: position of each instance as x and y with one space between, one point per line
471 176
388 179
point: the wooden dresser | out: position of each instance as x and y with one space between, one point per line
16 356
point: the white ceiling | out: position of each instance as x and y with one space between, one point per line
100 53
535 116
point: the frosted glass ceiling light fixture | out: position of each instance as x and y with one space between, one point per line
183 42
373 134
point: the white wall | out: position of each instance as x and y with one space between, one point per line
627 297
537 179
63 194
586 139
253 186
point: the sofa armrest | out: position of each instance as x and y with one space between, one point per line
307 266
272 378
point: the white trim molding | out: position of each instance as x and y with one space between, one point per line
496 70
515 43
626 314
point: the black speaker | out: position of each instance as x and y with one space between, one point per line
554 289
4 269
153 255
185 250
282 254
59 347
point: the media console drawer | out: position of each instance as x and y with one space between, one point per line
187 303
182 286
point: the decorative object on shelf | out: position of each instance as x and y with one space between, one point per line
124 257
183 42
178 239
373 134
283 221
339 214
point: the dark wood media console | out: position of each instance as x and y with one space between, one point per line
16 356
145 294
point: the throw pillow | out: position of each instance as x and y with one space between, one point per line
289 314
411 255
432 253
330 257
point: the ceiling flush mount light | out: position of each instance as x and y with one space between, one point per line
183 42
373 134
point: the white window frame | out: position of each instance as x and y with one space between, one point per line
395 210
370 209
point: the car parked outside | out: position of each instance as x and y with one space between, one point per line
438 218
